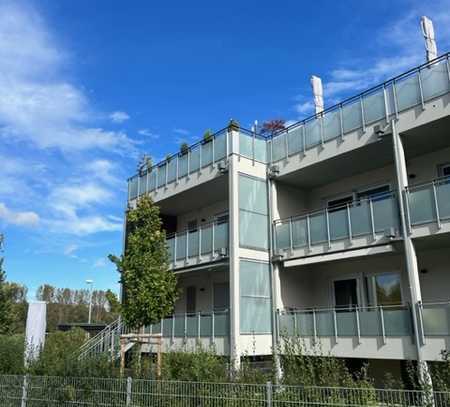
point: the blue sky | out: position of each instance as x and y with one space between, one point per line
86 87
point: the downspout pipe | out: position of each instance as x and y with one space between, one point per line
406 245
272 281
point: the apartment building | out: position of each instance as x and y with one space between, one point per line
336 229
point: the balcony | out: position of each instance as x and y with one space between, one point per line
380 332
358 115
208 329
206 244
428 207
358 224
198 163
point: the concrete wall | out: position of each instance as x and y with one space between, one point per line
202 215
204 283
312 285
435 283
293 201
425 167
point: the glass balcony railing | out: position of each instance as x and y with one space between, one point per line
410 89
195 158
429 203
381 321
193 325
365 217
204 242
358 322
434 319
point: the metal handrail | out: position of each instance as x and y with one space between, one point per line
420 185
205 225
388 194
364 93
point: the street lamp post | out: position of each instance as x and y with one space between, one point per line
91 285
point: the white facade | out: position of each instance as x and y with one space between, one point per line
336 230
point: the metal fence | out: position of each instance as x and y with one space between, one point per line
32 391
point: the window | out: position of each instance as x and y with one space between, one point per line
345 293
222 218
221 296
384 289
192 225
191 297
373 192
444 170
340 202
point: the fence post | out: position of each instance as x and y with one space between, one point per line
129 383
269 392
24 391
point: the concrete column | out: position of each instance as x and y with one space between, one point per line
234 260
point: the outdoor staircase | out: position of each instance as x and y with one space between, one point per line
106 342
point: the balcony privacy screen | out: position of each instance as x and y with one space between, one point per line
253 219
255 305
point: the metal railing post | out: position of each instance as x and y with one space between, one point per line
383 329
386 110
421 326
335 325
269 391
23 402
304 138
436 206
187 247
341 122
308 232
199 242
291 240
213 328
320 118
405 197
173 329
363 120
213 151
129 388
358 325
213 237
349 222
422 101
314 325
372 220
327 219
199 319
185 327
394 92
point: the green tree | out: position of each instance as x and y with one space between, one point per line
113 301
6 312
150 288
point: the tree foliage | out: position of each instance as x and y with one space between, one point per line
66 305
6 304
150 288
270 127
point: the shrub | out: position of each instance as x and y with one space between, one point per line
199 365
12 354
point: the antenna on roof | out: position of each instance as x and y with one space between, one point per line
316 84
430 39
255 127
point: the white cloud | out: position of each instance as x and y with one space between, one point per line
119 116
397 46
74 210
304 108
37 103
148 133
18 218
70 250
103 170
182 132
100 263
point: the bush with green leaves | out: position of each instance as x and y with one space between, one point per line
12 354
